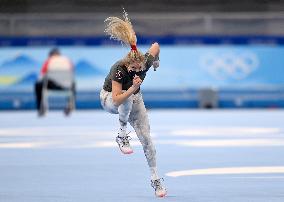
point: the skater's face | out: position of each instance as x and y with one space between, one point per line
135 67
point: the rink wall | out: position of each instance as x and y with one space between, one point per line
240 71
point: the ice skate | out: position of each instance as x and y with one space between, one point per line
123 143
160 191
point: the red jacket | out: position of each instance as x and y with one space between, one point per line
56 62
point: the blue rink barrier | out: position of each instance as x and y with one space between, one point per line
34 41
187 98
251 98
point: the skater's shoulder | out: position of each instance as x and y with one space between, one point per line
118 66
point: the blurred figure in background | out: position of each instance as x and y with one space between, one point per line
56 74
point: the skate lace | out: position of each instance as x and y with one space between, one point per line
124 141
156 184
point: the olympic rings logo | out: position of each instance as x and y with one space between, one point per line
230 65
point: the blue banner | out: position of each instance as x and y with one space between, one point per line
243 76
180 66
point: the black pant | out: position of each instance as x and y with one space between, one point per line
50 85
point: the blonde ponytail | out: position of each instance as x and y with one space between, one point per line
122 30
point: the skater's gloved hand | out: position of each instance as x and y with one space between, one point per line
156 64
136 81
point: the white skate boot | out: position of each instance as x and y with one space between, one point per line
160 191
123 143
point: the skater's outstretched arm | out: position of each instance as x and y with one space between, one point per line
154 50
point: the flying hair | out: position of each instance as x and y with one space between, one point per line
122 30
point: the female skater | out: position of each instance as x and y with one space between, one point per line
121 93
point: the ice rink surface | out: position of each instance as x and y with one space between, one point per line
203 156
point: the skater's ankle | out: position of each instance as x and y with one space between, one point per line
153 178
154 173
122 132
